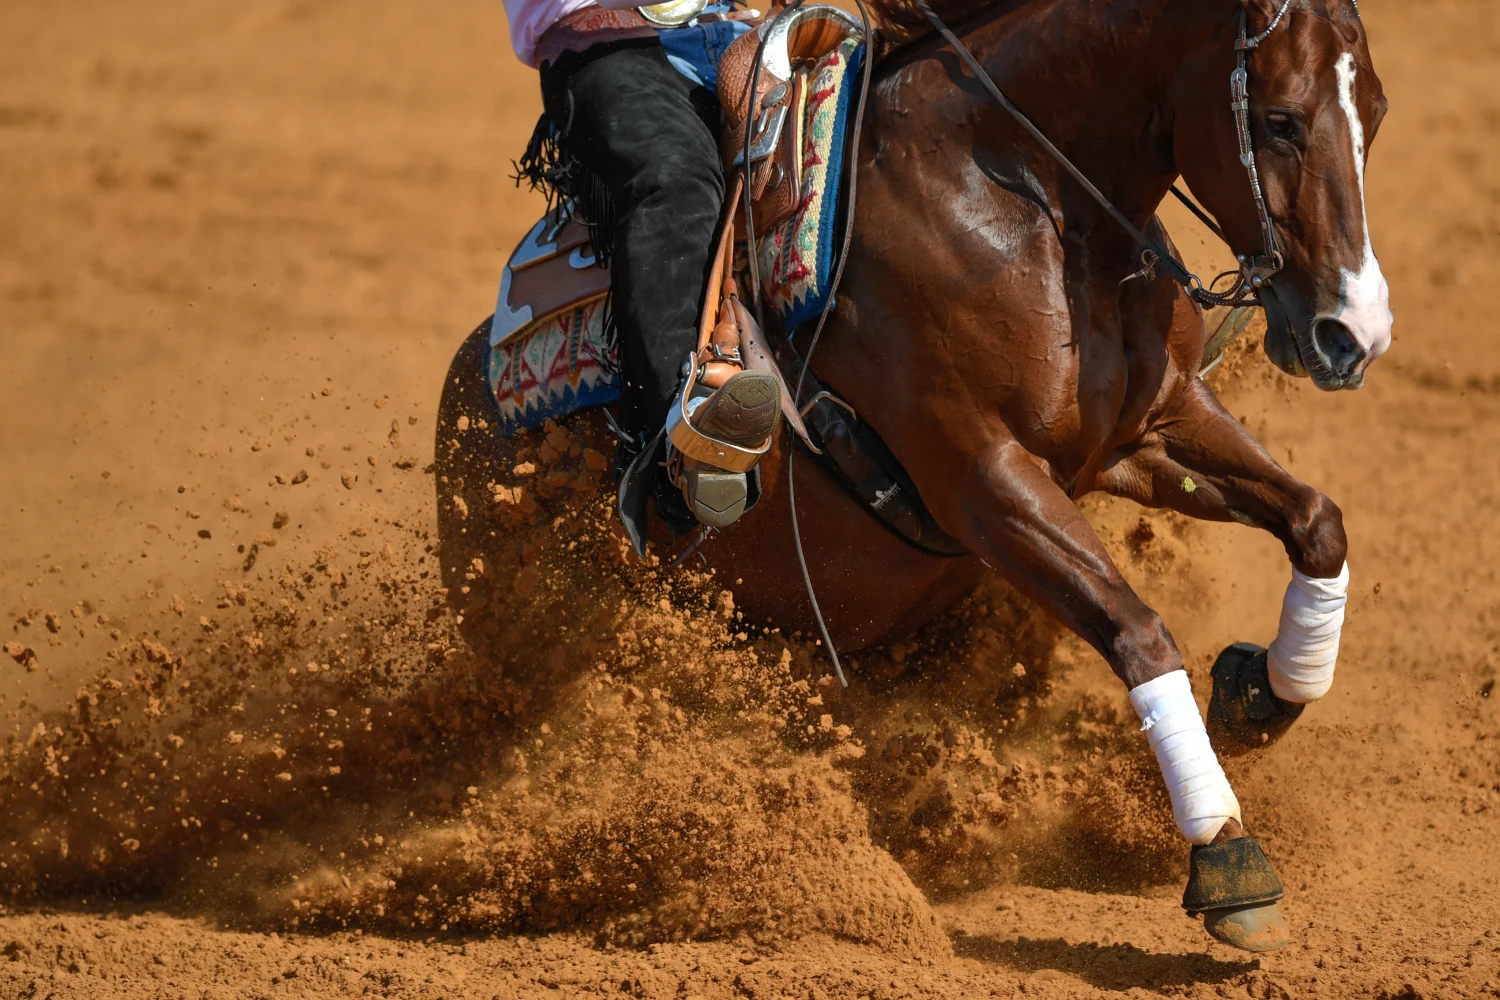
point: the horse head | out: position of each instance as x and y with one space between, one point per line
1315 105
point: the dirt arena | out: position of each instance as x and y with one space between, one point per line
250 752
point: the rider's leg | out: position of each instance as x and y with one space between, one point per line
1201 462
634 123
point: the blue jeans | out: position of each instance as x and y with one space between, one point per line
695 49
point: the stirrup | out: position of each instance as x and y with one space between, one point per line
700 447
718 478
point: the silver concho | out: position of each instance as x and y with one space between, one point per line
673 13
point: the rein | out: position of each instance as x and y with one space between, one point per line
850 199
1255 270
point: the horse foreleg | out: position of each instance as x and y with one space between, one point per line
1201 462
1023 525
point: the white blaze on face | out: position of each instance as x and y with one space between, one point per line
1364 298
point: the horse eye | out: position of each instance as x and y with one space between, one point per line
1283 125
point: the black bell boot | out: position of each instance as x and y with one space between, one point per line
1244 714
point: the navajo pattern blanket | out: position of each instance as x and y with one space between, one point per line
564 362
797 257
562 365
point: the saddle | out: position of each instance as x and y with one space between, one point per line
548 333
793 45
762 145
549 345
550 352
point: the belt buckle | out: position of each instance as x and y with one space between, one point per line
673 13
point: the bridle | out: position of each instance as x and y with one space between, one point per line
1255 270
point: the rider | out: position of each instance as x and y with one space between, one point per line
629 136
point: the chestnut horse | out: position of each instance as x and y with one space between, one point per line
987 330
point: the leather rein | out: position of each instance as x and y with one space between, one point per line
851 197
1254 270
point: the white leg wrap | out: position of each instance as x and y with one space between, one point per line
1201 797
1302 655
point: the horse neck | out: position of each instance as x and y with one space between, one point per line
1095 78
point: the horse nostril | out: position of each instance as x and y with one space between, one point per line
1336 343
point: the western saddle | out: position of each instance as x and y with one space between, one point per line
761 124
553 270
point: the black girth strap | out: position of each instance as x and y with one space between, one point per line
855 457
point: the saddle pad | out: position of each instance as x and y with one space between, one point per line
797 257
562 365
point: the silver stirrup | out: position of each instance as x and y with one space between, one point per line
694 444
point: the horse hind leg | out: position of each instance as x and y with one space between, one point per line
468 454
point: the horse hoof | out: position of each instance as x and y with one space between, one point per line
1258 928
1243 713
1234 886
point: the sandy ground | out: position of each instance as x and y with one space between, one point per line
239 244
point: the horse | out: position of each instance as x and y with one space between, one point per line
996 328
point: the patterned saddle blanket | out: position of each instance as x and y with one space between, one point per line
550 352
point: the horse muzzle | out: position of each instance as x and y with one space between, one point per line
1327 349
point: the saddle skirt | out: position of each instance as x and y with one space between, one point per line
551 352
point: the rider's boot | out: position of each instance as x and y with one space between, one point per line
718 436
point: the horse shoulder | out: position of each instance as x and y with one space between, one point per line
1163 334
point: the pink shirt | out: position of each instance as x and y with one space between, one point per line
529 20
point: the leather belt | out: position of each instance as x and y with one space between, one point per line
595 26
590 26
